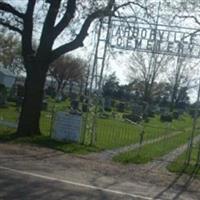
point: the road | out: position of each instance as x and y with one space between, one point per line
28 172
15 185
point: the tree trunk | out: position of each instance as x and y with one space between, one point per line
29 122
172 103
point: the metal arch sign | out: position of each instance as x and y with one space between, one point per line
155 38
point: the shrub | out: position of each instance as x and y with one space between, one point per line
108 109
85 108
166 117
121 107
176 115
104 115
133 117
192 112
44 105
151 113
74 104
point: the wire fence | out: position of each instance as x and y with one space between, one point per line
134 142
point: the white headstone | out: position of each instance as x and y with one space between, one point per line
67 127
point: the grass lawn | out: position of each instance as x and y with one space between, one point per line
58 106
9 113
178 166
7 135
151 151
113 133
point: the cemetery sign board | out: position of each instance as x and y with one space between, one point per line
155 38
67 127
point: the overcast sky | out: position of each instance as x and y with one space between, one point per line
117 62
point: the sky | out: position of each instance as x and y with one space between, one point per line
118 62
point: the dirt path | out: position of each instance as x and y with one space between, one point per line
162 162
42 167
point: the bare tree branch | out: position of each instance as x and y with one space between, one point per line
66 19
11 27
130 3
78 41
46 36
9 9
27 48
189 16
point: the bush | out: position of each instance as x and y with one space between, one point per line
3 95
75 104
51 92
113 103
84 107
121 107
133 117
44 105
166 117
19 101
151 113
108 109
176 115
192 112
104 116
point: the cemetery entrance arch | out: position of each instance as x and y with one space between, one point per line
131 34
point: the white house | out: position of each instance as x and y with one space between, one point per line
7 78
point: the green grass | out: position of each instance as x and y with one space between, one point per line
9 112
8 136
179 165
151 151
113 133
58 106
45 123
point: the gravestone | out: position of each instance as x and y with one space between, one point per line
2 95
107 104
137 109
67 127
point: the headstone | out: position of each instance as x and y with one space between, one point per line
20 91
108 104
137 109
3 95
75 105
7 78
67 127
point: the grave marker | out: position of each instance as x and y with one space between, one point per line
67 127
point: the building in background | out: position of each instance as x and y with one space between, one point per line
7 78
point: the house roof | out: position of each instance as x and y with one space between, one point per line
6 72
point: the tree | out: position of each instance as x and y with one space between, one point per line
65 69
124 92
111 86
180 77
57 16
144 70
10 53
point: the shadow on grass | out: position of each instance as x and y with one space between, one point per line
184 183
46 141
8 136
